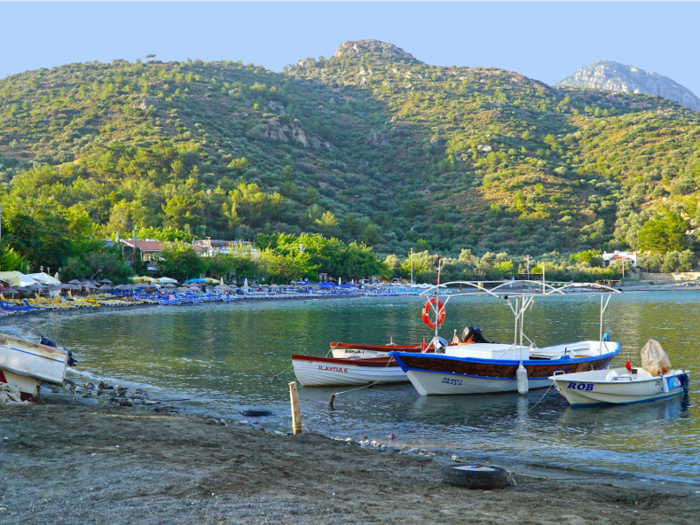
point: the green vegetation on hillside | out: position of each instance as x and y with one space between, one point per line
370 146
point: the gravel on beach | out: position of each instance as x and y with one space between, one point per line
64 462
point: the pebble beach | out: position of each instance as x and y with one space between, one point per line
66 462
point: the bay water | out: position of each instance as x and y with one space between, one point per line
217 358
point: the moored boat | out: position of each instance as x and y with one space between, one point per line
619 386
327 371
490 368
26 365
476 366
347 350
655 379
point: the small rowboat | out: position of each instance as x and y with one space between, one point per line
26 365
619 386
326 371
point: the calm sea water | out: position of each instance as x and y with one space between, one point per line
220 355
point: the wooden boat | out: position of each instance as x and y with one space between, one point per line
488 368
619 386
326 371
476 366
347 350
26 365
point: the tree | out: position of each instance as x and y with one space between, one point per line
371 235
180 261
181 210
248 204
239 164
327 224
664 233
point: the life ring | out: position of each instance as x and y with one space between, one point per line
428 310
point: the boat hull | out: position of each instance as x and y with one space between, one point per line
587 389
26 365
437 374
324 371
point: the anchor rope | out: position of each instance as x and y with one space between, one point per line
543 395
277 375
333 396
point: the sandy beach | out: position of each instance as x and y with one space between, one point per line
65 462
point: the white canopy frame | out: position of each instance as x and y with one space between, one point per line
522 301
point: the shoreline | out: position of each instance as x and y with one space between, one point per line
71 463
542 473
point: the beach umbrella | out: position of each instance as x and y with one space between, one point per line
105 287
54 287
169 285
10 290
167 280
74 281
105 281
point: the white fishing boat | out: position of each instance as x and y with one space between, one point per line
619 386
26 365
328 371
625 385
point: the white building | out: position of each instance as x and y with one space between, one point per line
609 258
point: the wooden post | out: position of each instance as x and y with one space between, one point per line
296 410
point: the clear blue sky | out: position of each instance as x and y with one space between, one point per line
546 41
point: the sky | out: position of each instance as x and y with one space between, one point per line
545 41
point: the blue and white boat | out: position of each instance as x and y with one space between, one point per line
466 367
619 386
488 368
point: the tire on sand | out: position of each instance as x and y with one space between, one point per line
475 476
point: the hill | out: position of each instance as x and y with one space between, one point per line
611 76
370 144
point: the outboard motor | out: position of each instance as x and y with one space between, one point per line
472 334
47 342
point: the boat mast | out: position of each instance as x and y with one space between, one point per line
603 307
437 305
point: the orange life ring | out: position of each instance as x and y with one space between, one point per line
428 308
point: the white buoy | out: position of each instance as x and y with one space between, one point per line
521 377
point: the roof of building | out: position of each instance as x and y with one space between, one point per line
150 245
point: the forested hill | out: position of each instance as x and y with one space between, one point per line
371 144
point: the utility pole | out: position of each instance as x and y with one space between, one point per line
411 266
623 272
528 267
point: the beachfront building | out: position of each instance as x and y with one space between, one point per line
213 247
609 258
150 249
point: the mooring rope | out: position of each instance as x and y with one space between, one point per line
333 396
546 392
277 375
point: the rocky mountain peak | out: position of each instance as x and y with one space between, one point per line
372 48
612 76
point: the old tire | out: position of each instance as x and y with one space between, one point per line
475 476
256 413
